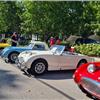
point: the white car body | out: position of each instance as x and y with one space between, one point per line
56 58
10 54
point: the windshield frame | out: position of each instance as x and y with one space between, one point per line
57 49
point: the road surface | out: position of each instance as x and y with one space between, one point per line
14 85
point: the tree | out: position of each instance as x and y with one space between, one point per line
70 17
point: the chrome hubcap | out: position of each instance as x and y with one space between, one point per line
39 68
14 56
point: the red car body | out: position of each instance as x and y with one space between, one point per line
87 76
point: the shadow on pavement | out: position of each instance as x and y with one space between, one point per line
57 75
56 89
7 81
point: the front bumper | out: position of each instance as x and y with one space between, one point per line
91 86
21 66
5 59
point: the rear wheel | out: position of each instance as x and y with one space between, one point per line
13 57
1 49
81 62
38 67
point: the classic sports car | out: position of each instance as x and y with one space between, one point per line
10 54
38 62
87 77
3 45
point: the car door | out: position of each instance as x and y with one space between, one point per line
68 61
55 57
53 61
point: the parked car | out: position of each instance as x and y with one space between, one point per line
10 54
57 58
87 77
85 41
3 44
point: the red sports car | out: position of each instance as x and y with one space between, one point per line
87 76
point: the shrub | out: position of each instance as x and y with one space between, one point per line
88 49
65 43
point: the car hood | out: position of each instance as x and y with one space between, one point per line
29 54
8 49
35 53
4 45
17 48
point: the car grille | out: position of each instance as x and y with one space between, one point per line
20 59
91 86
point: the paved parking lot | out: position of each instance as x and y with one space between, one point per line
14 85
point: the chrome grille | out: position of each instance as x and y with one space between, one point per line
21 60
91 86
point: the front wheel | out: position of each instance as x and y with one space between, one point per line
81 62
38 67
13 56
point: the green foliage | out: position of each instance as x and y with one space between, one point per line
9 18
24 43
66 43
62 16
70 17
88 49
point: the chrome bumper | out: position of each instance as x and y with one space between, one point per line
21 66
91 86
6 59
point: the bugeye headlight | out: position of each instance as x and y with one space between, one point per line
91 68
21 60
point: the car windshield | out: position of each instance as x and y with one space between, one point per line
39 47
30 45
57 49
85 41
90 41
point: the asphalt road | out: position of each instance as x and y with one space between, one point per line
14 85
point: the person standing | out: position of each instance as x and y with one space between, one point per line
61 35
58 42
52 41
14 39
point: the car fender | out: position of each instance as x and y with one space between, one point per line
11 51
30 60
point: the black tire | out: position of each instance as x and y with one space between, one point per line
38 67
81 62
13 56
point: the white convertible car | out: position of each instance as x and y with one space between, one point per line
57 58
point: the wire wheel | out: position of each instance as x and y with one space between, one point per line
13 56
38 67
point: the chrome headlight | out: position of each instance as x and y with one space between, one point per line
21 60
91 68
